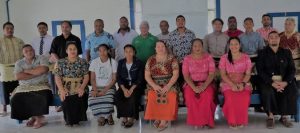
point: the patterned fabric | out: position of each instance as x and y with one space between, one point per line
10 50
71 73
93 41
180 45
291 43
198 69
161 73
235 71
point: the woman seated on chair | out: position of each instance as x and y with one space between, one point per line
130 74
71 77
235 68
32 97
103 78
198 71
161 74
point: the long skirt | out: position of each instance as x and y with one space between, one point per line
235 106
27 104
128 107
201 110
102 106
5 89
74 108
161 111
278 103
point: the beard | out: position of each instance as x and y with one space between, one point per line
273 44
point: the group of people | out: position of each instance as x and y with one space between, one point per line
168 69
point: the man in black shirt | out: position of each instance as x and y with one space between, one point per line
58 47
275 67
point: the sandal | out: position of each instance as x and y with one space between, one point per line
110 120
284 121
156 123
129 123
270 123
38 125
124 121
161 128
30 123
101 121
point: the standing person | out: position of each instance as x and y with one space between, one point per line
251 41
232 31
267 27
179 42
103 78
130 75
42 43
161 74
198 70
235 68
144 43
216 43
58 46
164 27
276 70
32 97
10 52
122 37
71 77
99 36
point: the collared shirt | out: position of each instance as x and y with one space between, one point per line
180 45
163 37
280 63
10 50
58 45
264 32
251 42
36 42
122 40
145 46
93 41
215 44
22 65
234 33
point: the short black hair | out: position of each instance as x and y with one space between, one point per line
123 17
266 15
42 23
197 39
26 45
217 19
180 16
130 46
248 19
273 32
68 43
66 21
231 17
8 23
100 20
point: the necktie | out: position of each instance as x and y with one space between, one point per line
41 45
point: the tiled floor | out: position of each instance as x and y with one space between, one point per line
56 125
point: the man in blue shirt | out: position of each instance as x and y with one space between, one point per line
99 36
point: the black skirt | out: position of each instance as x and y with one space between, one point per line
74 109
27 104
278 103
128 107
5 89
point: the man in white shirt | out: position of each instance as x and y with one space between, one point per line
42 43
123 36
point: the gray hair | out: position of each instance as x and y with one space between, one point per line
145 23
291 20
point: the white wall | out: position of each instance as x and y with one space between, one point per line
25 14
195 12
255 9
3 17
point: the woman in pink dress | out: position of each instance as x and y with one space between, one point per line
235 68
198 70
